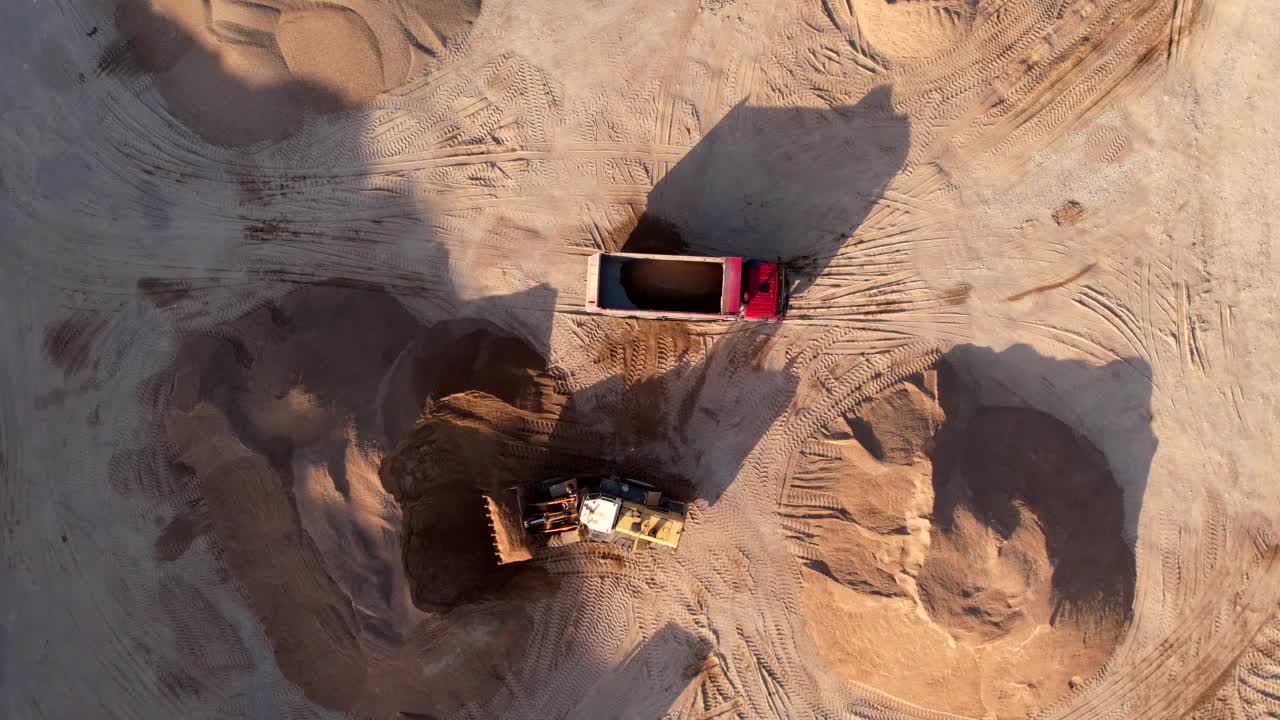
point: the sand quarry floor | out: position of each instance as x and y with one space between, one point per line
287 284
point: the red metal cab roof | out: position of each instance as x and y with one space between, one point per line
762 289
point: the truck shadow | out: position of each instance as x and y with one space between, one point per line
790 183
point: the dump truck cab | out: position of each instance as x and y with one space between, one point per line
764 291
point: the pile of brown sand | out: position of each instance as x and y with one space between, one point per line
1035 505
909 30
310 41
238 72
473 444
436 24
281 418
463 447
972 557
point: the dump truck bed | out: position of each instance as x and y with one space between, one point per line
664 286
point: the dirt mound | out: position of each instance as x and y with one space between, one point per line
311 39
239 73
468 444
1027 522
282 416
438 24
986 541
471 445
912 30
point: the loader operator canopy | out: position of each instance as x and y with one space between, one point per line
650 524
556 512
599 513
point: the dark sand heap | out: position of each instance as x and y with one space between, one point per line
1000 524
277 421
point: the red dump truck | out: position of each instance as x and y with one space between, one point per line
684 287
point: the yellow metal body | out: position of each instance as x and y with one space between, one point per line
650 524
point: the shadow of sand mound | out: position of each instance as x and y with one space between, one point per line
986 541
1028 531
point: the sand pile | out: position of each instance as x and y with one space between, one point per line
240 72
279 420
472 444
467 444
909 30
985 541
1034 503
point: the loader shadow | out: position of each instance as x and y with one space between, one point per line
653 680
790 183
688 430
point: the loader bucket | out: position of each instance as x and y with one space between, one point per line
506 527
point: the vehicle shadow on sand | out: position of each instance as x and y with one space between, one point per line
780 183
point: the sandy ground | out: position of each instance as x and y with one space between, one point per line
287 284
